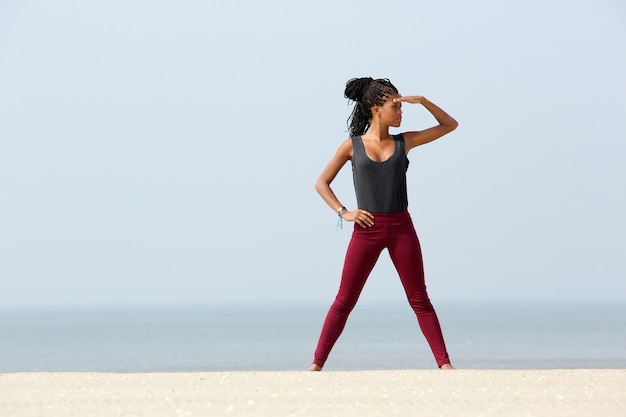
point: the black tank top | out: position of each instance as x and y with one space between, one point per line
380 186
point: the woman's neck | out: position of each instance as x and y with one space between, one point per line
377 132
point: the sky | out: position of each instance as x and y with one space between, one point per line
165 152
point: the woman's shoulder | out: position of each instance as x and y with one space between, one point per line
345 149
399 137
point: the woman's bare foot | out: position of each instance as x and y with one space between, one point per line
446 367
315 368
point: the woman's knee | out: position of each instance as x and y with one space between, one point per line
343 305
420 303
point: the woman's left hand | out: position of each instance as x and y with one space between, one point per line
409 99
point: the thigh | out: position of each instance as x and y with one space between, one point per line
406 254
361 256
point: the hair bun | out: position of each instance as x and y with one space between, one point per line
355 88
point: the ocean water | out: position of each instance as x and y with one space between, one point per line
522 335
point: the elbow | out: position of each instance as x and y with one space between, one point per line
452 125
321 185
318 185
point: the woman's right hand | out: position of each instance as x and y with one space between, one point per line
363 218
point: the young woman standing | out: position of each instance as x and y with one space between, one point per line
379 165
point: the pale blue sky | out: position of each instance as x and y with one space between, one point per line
165 152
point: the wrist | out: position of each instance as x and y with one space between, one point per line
340 212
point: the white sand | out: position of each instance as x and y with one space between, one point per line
553 393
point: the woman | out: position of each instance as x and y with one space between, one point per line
379 164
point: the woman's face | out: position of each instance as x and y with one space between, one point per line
390 112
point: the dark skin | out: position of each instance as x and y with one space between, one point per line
379 146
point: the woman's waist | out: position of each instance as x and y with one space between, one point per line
392 217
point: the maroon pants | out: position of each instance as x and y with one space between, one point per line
396 233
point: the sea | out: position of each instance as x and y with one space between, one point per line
282 337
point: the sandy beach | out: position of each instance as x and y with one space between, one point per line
364 393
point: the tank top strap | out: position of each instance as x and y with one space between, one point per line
399 139
358 149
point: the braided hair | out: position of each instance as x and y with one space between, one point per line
366 93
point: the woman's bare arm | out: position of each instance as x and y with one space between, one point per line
322 186
446 123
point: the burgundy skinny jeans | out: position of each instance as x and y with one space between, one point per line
396 233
